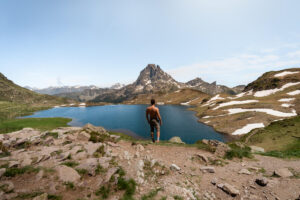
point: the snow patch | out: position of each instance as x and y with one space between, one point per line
285 73
286 100
296 92
235 103
264 93
263 110
286 105
217 97
248 128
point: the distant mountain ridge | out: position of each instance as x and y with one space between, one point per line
11 92
153 79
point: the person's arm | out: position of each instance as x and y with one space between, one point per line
159 117
147 113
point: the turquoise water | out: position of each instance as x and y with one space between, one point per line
130 119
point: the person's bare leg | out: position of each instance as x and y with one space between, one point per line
158 135
152 137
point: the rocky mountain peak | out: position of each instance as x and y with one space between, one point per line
152 73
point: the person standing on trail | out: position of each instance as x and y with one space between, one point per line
154 120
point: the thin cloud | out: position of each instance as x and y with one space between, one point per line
238 69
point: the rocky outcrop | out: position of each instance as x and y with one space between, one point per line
176 139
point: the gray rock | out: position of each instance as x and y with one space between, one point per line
175 167
13 164
92 147
41 197
176 139
245 171
262 181
110 173
140 165
283 172
83 136
229 189
26 162
7 186
203 157
256 149
214 181
139 147
67 174
90 128
208 169
89 164
2 171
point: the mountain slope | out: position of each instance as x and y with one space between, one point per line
17 101
211 88
152 79
273 96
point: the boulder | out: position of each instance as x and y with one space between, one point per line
91 147
67 174
245 171
256 149
221 149
83 136
229 189
41 197
175 167
262 181
139 147
13 164
90 128
208 169
2 171
203 157
283 172
176 139
110 173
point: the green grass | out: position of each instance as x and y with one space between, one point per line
29 195
151 194
42 124
12 172
70 185
70 163
238 152
280 139
54 197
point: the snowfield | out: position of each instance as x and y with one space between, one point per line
285 73
263 110
286 100
248 128
296 92
235 103
264 93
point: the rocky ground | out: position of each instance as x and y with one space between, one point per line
89 163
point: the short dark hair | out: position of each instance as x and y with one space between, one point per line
152 101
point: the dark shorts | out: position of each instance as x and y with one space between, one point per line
154 124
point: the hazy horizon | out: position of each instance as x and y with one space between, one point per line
76 42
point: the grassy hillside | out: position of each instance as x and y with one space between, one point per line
216 111
280 139
18 101
36 123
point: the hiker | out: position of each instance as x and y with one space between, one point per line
154 120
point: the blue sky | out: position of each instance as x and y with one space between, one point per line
101 42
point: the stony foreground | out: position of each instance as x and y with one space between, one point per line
89 163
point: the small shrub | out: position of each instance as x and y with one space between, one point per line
82 171
51 134
54 197
103 191
99 169
70 185
177 197
100 152
70 164
29 195
201 145
238 152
